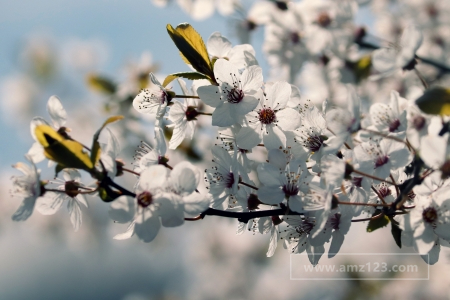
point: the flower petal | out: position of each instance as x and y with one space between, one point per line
75 213
25 209
50 203
274 137
147 229
57 112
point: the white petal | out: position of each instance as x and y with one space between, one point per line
74 213
222 158
36 121
82 200
147 229
296 204
269 175
178 135
433 149
177 111
336 243
248 137
57 112
247 104
71 174
274 138
196 203
218 45
288 119
122 210
36 152
252 78
226 72
410 42
127 234
160 146
25 209
270 195
315 253
222 116
200 9
383 60
424 238
50 203
171 210
433 256
399 156
185 178
274 236
210 95
277 158
154 177
278 95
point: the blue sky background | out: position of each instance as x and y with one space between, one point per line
128 28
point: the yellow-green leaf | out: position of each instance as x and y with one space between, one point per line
95 149
192 48
362 67
377 223
67 153
396 232
186 75
435 101
101 84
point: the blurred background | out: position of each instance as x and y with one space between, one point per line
65 48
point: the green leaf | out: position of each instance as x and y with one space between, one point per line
192 48
186 75
67 153
58 169
362 68
107 194
95 149
396 232
435 101
101 84
380 222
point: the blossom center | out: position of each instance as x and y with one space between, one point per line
419 122
276 220
305 227
191 113
290 189
384 191
430 215
144 199
71 188
445 169
250 25
394 125
335 220
314 142
267 116
324 20
381 160
295 38
410 65
229 180
357 181
432 11
235 95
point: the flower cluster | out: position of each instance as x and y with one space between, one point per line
368 145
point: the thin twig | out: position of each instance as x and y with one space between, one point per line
186 96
